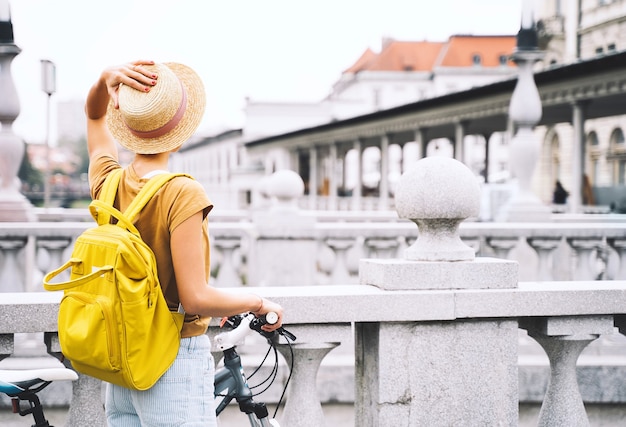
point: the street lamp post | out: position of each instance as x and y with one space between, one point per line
48 85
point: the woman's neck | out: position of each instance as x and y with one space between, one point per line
146 163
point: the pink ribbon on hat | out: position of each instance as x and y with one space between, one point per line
171 124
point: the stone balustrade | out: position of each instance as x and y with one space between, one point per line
546 251
434 321
562 316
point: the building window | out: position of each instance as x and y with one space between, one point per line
592 139
617 138
611 47
619 162
503 59
599 51
476 59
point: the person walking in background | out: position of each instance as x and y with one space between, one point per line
152 109
559 197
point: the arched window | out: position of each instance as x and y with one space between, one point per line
617 138
477 60
618 153
592 139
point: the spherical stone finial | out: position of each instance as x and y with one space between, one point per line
438 193
285 185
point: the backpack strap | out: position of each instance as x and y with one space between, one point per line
110 186
102 209
107 195
147 191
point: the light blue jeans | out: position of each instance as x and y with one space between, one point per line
183 396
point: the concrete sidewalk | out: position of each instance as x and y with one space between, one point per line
337 416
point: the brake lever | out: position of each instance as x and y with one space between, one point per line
284 332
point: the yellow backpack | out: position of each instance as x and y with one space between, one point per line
114 323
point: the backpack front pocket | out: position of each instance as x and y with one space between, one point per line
88 331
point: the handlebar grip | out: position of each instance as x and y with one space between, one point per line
269 318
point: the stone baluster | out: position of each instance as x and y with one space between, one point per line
563 339
544 246
473 242
227 276
620 247
382 247
11 275
400 375
340 273
586 248
502 246
303 407
53 248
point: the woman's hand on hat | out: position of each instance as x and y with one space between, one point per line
133 74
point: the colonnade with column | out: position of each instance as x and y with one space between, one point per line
343 167
332 164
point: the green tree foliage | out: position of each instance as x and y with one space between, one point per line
31 177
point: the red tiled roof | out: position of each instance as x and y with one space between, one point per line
458 51
461 49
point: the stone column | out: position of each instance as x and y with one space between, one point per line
313 178
356 192
420 139
383 186
578 157
332 177
13 205
459 141
420 373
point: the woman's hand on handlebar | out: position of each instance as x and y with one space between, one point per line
268 306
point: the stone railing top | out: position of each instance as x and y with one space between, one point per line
36 311
350 229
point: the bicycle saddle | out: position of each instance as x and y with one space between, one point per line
17 380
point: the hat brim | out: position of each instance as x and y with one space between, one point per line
196 101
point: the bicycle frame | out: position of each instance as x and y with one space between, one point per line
231 383
230 380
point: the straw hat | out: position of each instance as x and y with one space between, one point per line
162 119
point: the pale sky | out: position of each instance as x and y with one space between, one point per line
268 50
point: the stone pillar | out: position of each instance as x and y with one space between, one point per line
13 205
420 373
313 178
383 186
420 139
357 146
332 177
578 157
285 249
459 141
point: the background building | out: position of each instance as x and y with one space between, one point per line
402 72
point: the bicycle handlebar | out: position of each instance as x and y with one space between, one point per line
243 324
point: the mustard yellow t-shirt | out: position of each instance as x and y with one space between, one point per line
177 201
